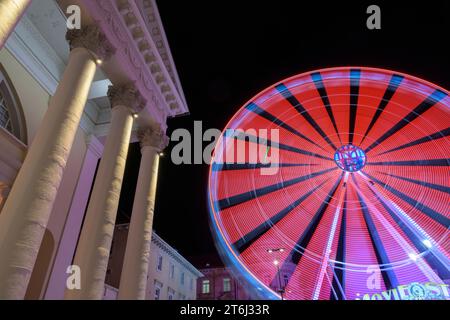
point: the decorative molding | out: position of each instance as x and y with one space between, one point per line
122 22
153 20
155 138
126 95
91 38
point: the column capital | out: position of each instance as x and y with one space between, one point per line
91 38
150 137
126 95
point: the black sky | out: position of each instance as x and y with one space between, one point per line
227 51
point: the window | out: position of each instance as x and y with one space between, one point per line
172 271
226 284
159 263
5 120
170 294
205 286
191 284
158 287
182 278
157 293
11 115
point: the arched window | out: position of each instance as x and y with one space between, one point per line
11 113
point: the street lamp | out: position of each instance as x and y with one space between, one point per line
276 263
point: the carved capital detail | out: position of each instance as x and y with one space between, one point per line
151 137
126 95
91 38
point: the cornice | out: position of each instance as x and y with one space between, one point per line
122 22
153 19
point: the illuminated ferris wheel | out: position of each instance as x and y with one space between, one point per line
357 197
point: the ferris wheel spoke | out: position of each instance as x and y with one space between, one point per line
436 216
246 196
297 252
240 135
389 277
243 166
416 235
354 95
420 183
414 163
327 251
388 94
430 101
338 283
246 241
317 78
301 109
268 116
435 136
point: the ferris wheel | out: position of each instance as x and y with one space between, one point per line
335 184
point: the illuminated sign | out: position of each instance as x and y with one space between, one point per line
413 291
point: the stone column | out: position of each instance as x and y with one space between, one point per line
72 228
93 250
133 280
26 212
10 12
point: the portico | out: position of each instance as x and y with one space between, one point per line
115 40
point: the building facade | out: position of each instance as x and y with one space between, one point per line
71 102
219 284
170 276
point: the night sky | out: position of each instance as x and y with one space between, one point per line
227 51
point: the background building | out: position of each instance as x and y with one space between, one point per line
218 282
170 275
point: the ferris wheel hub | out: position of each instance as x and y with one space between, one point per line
350 158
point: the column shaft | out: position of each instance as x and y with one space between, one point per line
133 280
96 236
72 228
26 212
10 12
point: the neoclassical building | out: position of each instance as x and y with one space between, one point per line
71 102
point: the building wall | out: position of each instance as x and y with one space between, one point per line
168 283
181 291
33 98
